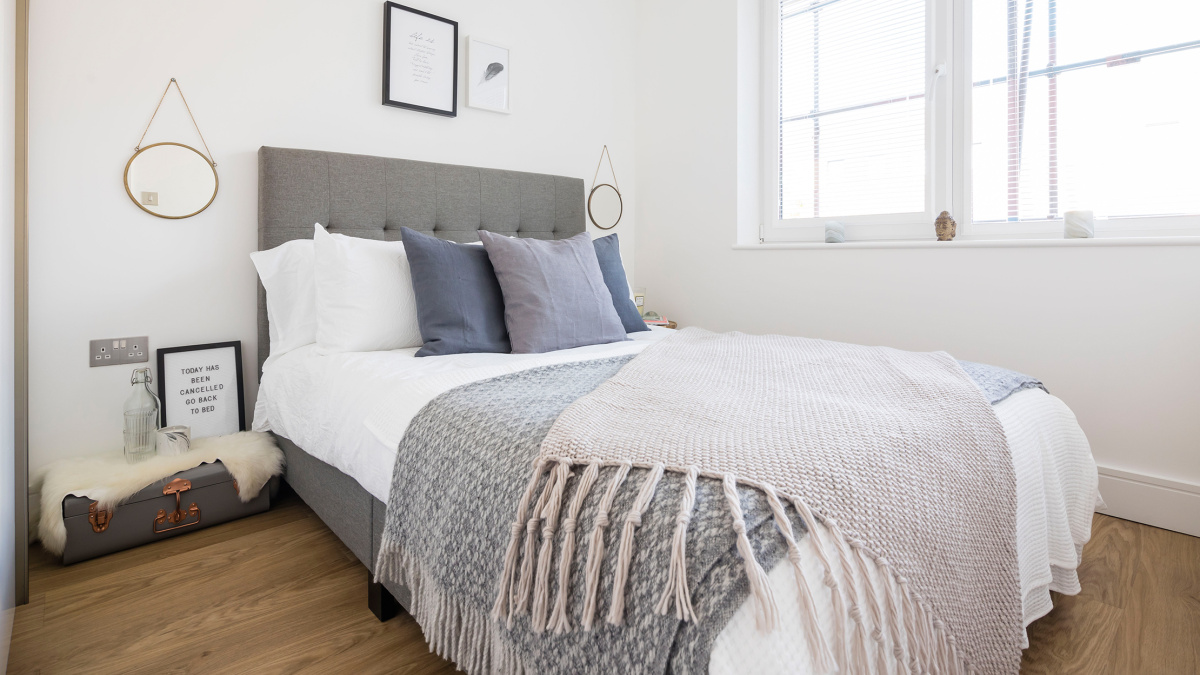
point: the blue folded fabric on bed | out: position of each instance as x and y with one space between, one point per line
608 254
460 308
999 383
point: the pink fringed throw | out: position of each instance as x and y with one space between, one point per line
887 456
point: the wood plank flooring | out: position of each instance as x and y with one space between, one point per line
273 593
1138 612
279 593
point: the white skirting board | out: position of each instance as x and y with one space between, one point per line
1161 502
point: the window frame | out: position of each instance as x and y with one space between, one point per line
948 162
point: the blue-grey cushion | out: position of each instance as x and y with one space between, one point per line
608 254
459 305
554 293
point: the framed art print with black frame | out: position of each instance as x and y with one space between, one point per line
200 386
420 60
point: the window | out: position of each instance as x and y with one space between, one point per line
1084 104
851 108
881 113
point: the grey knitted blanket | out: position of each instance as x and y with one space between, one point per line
462 466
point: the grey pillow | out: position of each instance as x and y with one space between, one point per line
608 254
554 293
459 305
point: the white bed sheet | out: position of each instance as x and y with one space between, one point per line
350 411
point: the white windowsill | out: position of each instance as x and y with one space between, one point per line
1193 240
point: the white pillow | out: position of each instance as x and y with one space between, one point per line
365 299
287 274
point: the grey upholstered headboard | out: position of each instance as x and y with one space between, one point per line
372 197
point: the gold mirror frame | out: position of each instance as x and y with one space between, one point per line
620 200
216 180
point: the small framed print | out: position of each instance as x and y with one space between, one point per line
488 72
200 386
420 60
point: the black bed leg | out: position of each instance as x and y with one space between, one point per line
380 599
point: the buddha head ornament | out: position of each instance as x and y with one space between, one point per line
945 226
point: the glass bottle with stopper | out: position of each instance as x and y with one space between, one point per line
141 417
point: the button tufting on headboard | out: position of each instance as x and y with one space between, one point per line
373 197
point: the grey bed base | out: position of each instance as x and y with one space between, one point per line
372 198
352 513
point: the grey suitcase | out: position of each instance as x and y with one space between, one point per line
188 501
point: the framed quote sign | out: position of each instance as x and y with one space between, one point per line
200 386
420 60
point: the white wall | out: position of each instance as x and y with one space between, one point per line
294 73
1113 331
7 468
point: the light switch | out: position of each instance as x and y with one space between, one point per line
150 198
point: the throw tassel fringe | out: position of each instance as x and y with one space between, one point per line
525 583
500 609
891 606
596 547
541 591
919 641
822 658
677 587
864 571
560 620
943 648
859 654
912 624
931 650
616 613
835 592
768 612
454 629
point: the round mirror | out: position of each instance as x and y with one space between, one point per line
605 206
170 180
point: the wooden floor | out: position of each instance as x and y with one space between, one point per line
279 593
273 593
1138 612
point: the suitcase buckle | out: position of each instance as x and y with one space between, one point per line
176 487
99 519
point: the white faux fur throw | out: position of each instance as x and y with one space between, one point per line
251 458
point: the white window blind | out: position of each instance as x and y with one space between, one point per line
1088 104
852 108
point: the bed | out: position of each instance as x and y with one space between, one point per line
340 418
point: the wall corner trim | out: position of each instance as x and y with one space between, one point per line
21 303
1160 502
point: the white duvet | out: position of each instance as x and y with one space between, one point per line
350 411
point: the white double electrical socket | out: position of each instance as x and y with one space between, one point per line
116 351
